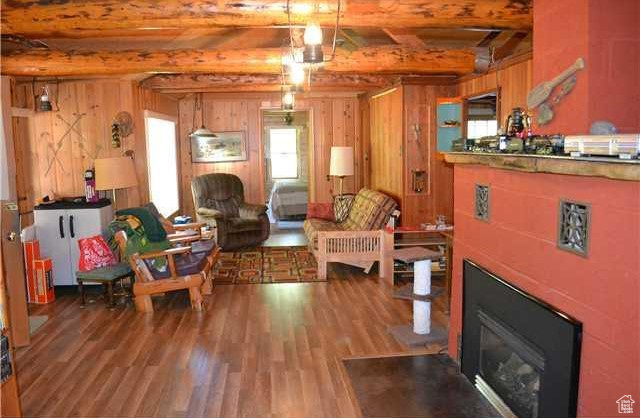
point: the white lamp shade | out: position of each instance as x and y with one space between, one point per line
341 161
115 173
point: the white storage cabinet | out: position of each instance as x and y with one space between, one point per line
59 226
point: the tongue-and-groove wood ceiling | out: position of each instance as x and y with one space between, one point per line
227 45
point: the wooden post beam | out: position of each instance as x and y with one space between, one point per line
110 17
385 59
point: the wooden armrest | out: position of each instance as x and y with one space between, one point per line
349 234
166 253
184 238
191 225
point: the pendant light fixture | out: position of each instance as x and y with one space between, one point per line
312 53
288 100
202 132
296 74
313 44
45 103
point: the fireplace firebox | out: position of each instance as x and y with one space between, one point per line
520 352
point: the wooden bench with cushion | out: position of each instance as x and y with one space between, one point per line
106 276
359 240
185 270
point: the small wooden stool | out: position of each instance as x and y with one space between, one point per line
422 331
106 276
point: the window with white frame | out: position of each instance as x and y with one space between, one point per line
162 161
480 128
283 153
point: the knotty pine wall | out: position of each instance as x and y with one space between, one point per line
392 149
334 120
514 79
38 134
396 149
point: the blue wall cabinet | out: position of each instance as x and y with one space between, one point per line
449 122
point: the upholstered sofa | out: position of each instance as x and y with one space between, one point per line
359 240
219 201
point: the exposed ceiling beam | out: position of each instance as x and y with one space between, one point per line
107 17
486 41
353 39
394 59
405 38
509 46
263 82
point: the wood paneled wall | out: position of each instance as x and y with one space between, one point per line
514 79
421 154
387 143
334 121
53 149
403 139
395 149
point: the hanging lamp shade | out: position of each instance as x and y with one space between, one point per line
203 132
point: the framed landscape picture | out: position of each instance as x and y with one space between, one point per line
227 147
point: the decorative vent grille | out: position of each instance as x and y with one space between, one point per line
573 228
482 202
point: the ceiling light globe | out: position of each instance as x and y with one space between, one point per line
313 34
297 74
288 98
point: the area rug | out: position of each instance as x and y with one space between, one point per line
267 265
414 386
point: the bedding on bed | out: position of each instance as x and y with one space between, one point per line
288 200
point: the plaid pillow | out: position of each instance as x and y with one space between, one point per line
370 211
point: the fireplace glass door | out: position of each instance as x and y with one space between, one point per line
521 353
511 366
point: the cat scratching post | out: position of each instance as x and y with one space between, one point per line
422 331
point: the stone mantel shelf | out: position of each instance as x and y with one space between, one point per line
577 166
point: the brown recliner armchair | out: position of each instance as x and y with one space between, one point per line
219 201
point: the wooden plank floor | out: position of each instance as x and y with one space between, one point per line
256 351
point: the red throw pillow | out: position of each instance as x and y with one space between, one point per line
321 211
94 253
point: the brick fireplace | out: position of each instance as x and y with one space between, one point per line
516 234
518 241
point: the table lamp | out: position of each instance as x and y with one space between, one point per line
115 173
341 163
